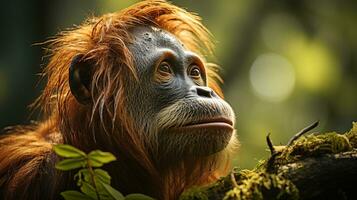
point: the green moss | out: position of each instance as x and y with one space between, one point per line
266 183
321 144
316 145
261 185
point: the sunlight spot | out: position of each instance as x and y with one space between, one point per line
272 77
316 66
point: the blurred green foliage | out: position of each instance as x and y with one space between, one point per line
94 182
285 63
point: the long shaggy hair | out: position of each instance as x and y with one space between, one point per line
26 151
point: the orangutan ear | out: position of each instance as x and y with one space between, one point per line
80 77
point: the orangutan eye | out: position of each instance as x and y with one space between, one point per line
164 68
194 72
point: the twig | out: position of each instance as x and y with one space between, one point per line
270 144
302 132
234 181
91 172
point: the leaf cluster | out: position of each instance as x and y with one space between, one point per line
94 183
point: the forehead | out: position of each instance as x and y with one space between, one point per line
149 36
149 42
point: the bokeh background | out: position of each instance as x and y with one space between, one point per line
285 63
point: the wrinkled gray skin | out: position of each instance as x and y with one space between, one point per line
160 108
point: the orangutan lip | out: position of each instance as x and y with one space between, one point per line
210 123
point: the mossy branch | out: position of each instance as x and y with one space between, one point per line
316 166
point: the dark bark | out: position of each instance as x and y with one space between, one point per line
322 166
325 177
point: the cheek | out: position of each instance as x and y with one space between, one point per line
139 105
167 94
145 99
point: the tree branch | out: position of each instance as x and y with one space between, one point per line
322 166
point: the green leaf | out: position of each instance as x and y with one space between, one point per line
69 164
95 163
101 157
83 174
89 190
87 179
68 151
102 175
74 195
113 192
136 196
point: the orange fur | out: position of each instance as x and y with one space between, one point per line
102 39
